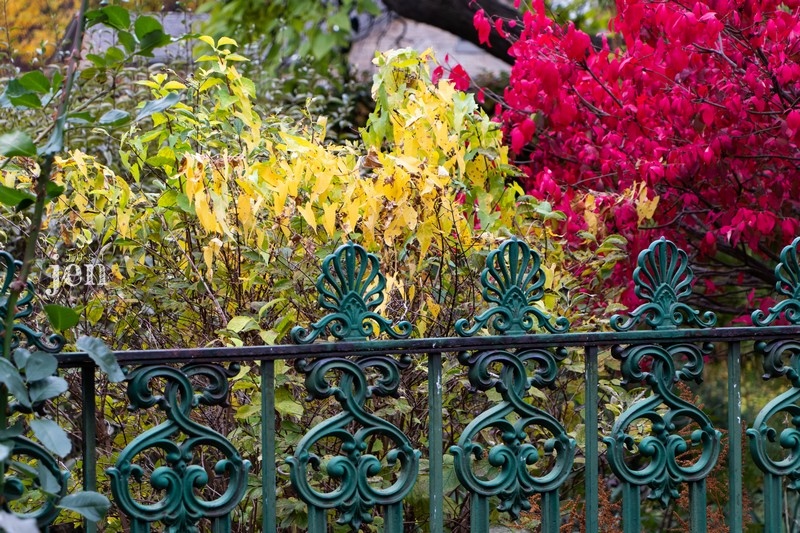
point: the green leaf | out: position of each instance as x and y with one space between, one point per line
11 378
20 96
56 141
40 365
127 40
157 106
145 25
115 117
21 357
285 404
83 117
47 388
60 317
102 356
246 411
15 197
91 505
152 40
57 79
12 523
35 81
17 143
114 55
47 481
239 324
117 17
53 190
97 60
14 431
5 449
52 436
322 43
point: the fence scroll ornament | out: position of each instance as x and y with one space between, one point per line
24 308
351 287
763 433
513 281
49 476
663 278
180 440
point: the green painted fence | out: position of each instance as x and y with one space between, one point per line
511 347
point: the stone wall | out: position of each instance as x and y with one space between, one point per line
391 31
381 33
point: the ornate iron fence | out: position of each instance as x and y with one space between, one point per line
512 347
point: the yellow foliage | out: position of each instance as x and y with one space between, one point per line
34 25
241 201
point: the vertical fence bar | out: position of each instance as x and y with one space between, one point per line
734 437
697 506
591 452
268 479
89 437
551 512
631 512
393 518
317 520
435 446
773 503
478 513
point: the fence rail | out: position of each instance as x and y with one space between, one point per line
660 446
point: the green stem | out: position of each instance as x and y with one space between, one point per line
54 145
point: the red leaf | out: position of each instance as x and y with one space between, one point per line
793 119
498 25
483 26
460 78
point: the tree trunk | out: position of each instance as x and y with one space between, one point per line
455 16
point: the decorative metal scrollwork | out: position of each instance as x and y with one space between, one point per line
787 272
180 509
663 278
355 496
762 433
18 484
663 446
514 281
15 487
351 285
514 484
23 308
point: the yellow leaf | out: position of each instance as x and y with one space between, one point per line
236 57
174 86
124 223
433 307
424 237
591 221
645 208
204 214
307 211
115 271
329 219
208 40
244 211
226 40
209 251
549 276
294 143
